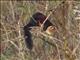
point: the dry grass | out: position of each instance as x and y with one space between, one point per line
64 45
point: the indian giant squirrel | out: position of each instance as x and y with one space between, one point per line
36 19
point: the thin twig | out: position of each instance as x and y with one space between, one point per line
12 10
75 49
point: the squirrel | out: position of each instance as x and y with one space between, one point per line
36 20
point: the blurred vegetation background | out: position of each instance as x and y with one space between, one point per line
64 45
